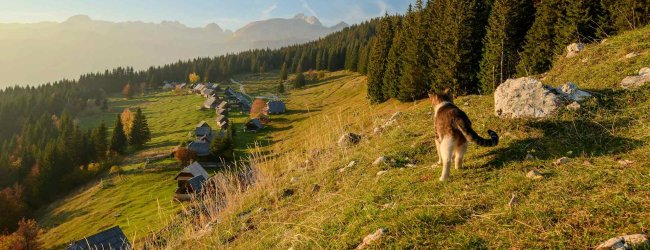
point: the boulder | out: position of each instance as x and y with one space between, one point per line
382 172
632 241
571 92
632 82
574 49
525 97
349 139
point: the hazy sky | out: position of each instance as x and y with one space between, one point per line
229 14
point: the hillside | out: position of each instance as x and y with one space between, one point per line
302 198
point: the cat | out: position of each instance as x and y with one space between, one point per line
454 132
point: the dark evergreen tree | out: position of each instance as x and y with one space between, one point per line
140 133
100 137
393 73
509 20
414 77
377 63
300 80
283 72
540 46
118 139
281 89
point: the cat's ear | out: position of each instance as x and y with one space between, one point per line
431 94
446 91
448 94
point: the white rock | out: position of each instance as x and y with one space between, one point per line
396 116
382 172
631 82
561 161
349 139
574 48
369 239
572 93
632 241
573 106
534 174
529 156
351 164
631 55
377 130
525 97
409 165
379 160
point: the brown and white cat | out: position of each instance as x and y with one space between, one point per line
453 132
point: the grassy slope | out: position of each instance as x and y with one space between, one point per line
579 204
141 197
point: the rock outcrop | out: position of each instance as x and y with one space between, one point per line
633 241
527 97
349 139
574 49
632 82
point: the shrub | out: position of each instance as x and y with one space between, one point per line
115 170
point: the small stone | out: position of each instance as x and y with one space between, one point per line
315 188
351 164
379 160
529 157
395 116
377 130
644 71
632 55
625 163
409 165
429 113
573 106
586 163
561 161
534 174
341 170
513 200
380 173
369 239
603 41
293 179
585 60
349 139
632 241
466 104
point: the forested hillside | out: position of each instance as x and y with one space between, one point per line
472 45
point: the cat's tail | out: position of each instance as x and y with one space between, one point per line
466 128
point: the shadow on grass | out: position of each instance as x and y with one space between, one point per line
579 136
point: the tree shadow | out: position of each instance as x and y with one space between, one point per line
579 136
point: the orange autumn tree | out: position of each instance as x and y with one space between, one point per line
258 108
193 78
127 118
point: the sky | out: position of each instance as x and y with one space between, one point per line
229 14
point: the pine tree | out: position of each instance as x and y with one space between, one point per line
393 73
118 139
414 81
283 72
300 81
507 25
140 133
100 137
540 46
377 62
281 88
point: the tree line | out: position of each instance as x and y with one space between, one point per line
471 46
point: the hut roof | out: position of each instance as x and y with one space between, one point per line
195 169
201 148
112 238
196 183
276 107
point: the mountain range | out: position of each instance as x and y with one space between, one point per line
37 53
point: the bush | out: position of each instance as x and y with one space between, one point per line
94 167
115 170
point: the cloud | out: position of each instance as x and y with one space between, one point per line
308 8
267 12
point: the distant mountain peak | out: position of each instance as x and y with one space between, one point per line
214 27
340 26
78 19
308 19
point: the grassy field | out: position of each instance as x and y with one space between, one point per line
303 199
139 200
